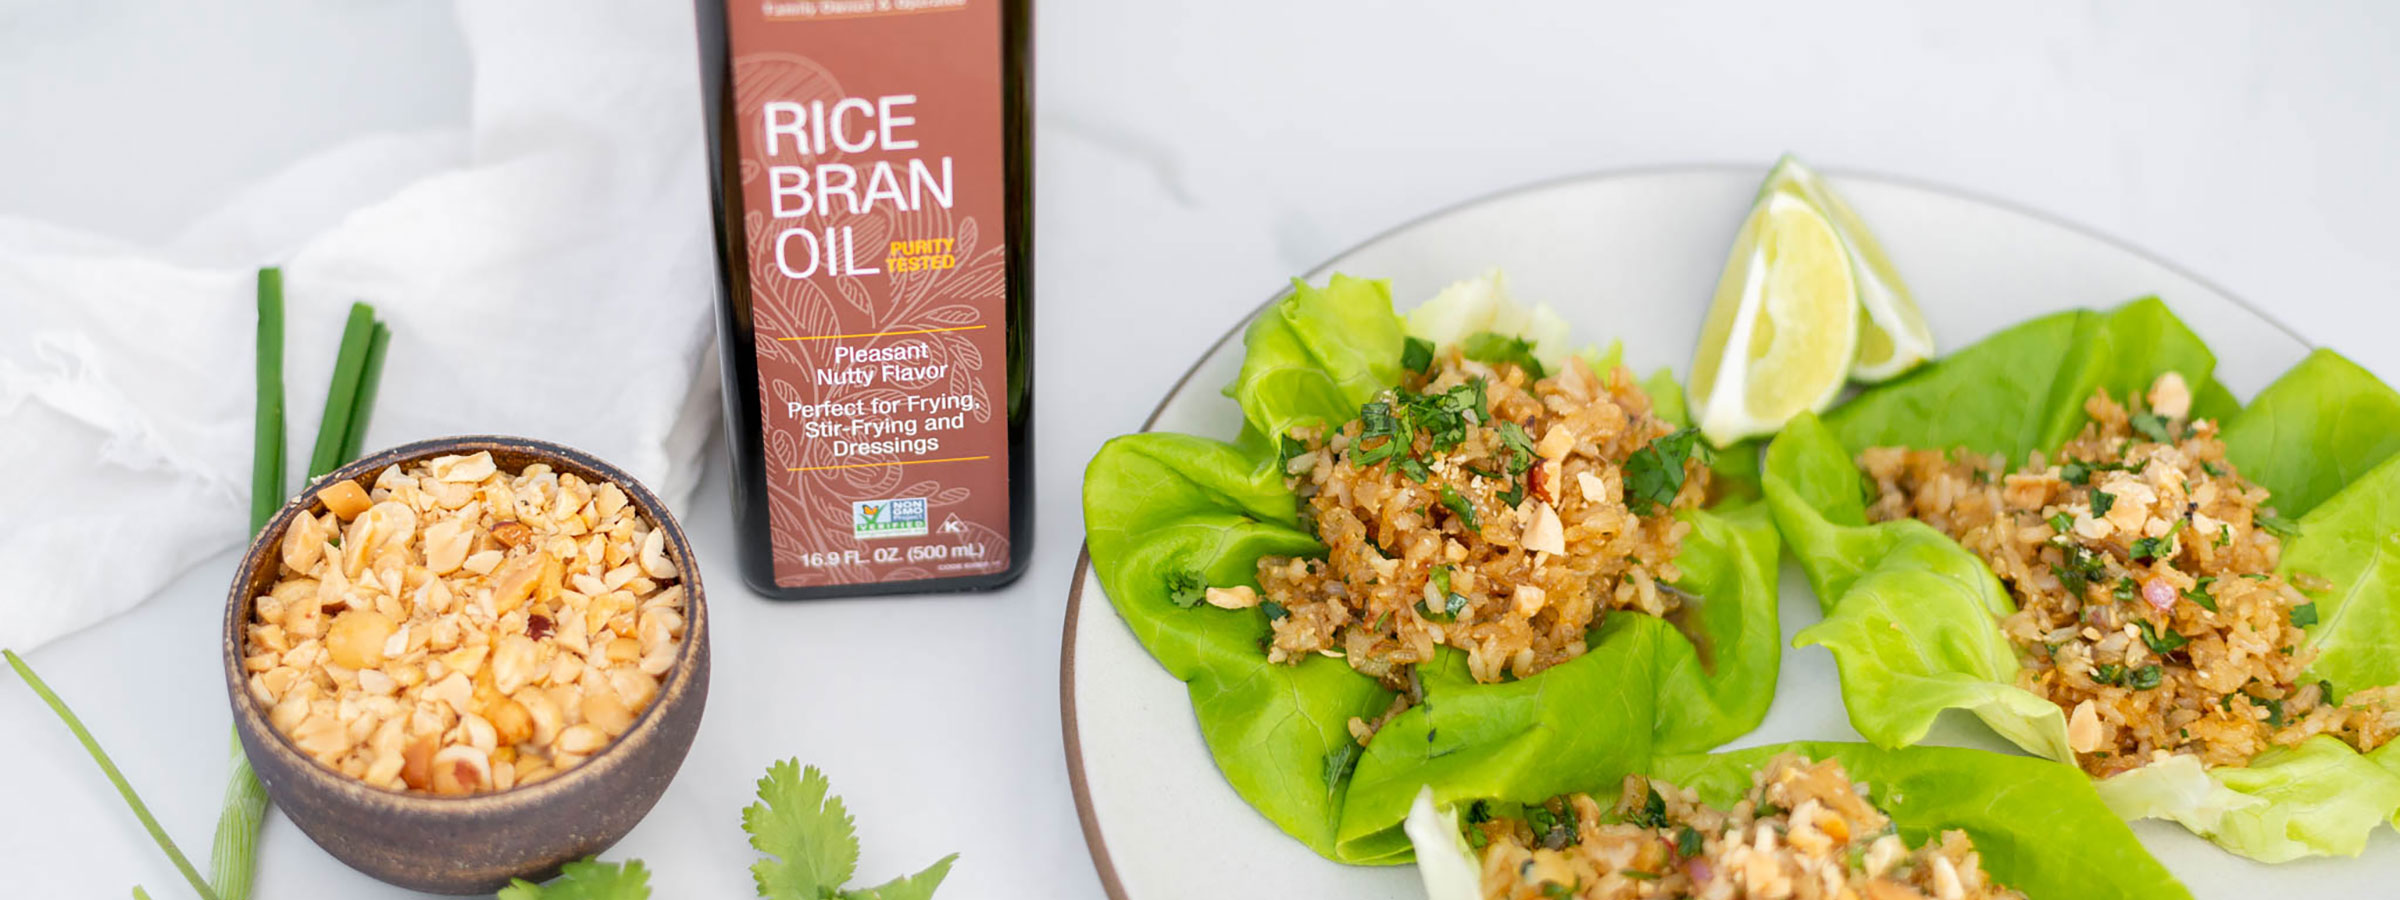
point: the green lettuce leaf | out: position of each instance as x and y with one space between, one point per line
1167 513
1318 354
2039 825
2319 427
2319 798
1911 623
1912 618
1159 507
2353 541
1642 688
2023 389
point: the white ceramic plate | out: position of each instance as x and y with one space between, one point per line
1630 256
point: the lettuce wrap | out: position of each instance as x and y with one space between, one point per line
2039 826
1913 619
1163 510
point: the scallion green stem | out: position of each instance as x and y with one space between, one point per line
266 457
109 768
233 855
363 408
341 431
358 336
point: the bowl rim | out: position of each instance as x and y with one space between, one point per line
249 715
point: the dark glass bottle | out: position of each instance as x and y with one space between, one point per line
871 179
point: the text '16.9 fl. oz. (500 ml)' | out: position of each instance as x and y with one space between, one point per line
872 175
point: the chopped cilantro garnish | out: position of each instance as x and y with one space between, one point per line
1653 813
1448 611
1490 347
1479 812
1286 448
2061 522
2101 502
1555 891
2152 426
1459 507
2213 470
1414 468
1375 420
2274 709
2198 593
1687 842
2161 644
2082 568
1443 417
2255 576
2075 472
1441 578
2145 678
2150 548
1542 819
2225 535
1514 495
2109 673
1274 610
2127 589
1519 444
1416 354
2277 525
2325 692
1654 474
2304 615
1185 588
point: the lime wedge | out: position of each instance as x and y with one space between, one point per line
1784 326
1892 337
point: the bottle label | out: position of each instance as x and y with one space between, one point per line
873 196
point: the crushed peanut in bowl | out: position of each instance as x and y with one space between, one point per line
457 629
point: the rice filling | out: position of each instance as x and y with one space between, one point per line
2143 566
1486 506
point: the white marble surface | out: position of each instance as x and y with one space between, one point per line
1192 156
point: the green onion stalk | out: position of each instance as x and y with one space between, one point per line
233 855
341 432
109 767
233 858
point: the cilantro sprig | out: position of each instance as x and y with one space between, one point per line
808 837
813 846
1654 474
586 880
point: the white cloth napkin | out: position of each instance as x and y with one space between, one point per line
545 273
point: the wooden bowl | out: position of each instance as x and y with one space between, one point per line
474 844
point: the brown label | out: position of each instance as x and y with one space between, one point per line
873 192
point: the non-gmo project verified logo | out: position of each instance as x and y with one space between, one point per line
894 518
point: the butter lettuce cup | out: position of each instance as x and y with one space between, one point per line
1442 550
2073 532
466 660
1825 819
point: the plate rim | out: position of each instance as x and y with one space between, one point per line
1095 842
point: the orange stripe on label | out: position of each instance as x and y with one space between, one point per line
832 337
902 462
